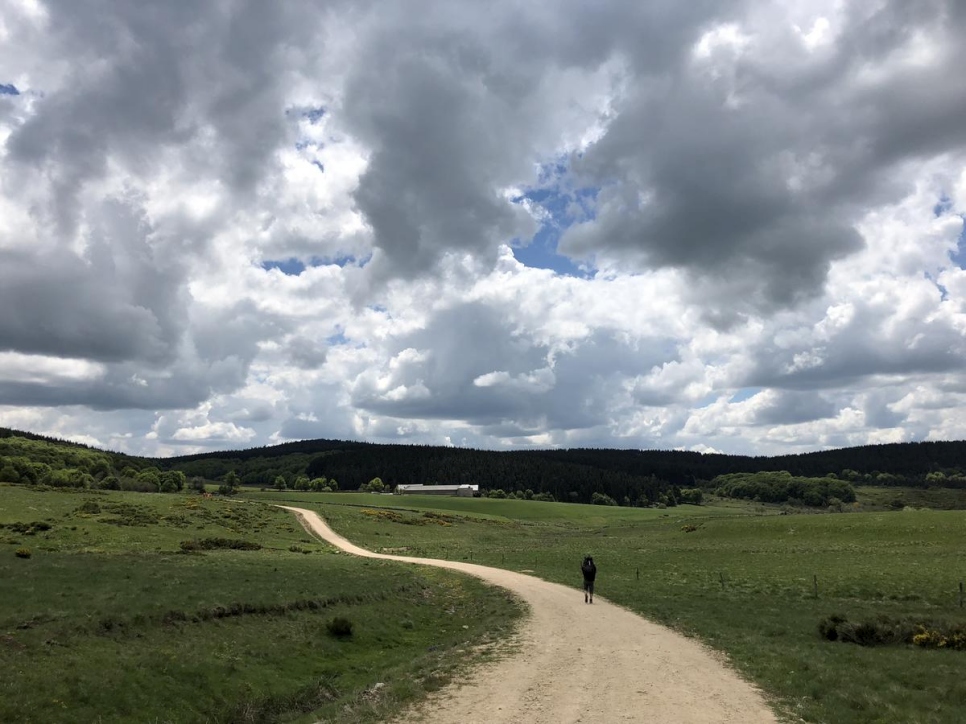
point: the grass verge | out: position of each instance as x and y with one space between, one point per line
109 620
753 586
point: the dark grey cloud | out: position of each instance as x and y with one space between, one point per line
787 407
456 109
211 357
878 409
115 301
251 411
746 170
694 182
198 79
456 357
127 387
439 118
307 354
479 370
872 345
234 331
191 90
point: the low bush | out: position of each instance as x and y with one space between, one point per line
339 627
885 631
89 507
209 544
125 514
602 499
439 518
391 516
27 528
23 553
782 486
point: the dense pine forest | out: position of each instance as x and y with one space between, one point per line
624 477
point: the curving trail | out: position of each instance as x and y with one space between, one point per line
581 663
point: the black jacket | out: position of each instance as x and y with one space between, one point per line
589 570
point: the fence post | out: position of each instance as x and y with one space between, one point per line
721 578
815 586
639 578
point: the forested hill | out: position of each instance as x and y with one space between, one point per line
561 472
573 474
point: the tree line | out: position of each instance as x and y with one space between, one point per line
626 477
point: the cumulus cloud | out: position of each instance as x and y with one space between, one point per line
715 225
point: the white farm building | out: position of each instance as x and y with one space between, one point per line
462 491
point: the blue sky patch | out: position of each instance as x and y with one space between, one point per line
943 292
944 205
745 393
563 206
337 338
294 266
8 89
290 267
959 256
314 114
318 165
705 401
342 261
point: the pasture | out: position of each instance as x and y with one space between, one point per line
145 607
752 586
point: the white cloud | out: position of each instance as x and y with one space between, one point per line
769 225
214 432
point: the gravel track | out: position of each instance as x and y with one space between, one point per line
580 663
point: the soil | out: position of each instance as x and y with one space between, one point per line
577 662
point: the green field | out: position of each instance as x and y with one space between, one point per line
742 582
109 620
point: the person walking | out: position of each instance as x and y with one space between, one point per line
589 569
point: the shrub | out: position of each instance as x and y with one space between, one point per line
883 631
781 486
374 486
27 528
130 515
339 627
90 507
828 627
110 482
692 496
23 553
602 499
135 485
208 544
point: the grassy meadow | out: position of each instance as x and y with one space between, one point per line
752 585
110 618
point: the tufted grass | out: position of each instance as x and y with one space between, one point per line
109 621
744 583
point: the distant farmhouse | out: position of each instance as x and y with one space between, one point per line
462 491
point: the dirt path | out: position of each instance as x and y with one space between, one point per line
581 663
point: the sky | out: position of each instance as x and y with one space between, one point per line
720 225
